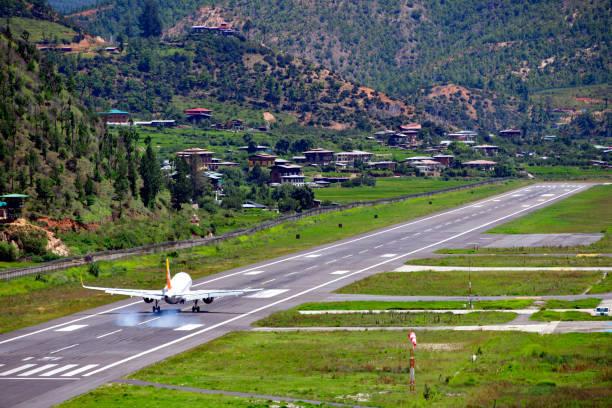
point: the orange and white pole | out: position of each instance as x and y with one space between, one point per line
413 340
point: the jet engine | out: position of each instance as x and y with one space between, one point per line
147 300
208 301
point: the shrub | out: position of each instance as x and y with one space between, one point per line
8 252
32 242
94 269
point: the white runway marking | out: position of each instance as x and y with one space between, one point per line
347 256
254 272
49 358
149 320
496 201
306 291
37 370
292 273
264 294
477 206
58 370
405 238
188 327
80 370
339 272
330 262
388 255
525 205
64 348
417 234
70 328
16 370
268 281
428 229
377 246
27 359
312 256
310 267
517 195
363 251
116 331
548 195
37 378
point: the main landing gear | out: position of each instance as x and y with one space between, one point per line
195 308
156 307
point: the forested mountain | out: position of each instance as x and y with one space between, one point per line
500 51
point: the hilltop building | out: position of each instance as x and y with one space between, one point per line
287 174
11 206
116 116
262 159
198 114
349 158
197 158
510 133
319 156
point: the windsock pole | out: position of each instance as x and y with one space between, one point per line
412 338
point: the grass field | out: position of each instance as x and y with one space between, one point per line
589 211
291 318
386 188
41 29
126 395
515 261
569 173
551 316
59 294
502 283
417 305
572 304
510 368
566 97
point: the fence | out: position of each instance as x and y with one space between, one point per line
64 263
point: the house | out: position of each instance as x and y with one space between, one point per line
481 164
510 133
156 123
331 179
549 138
413 159
416 127
487 150
112 50
462 136
319 156
234 124
198 114
299 159
262 159
286 173
116 116
197 158
429 168
403 139
216 164
11 206
383 165
349 158
445 159
258 148
216 179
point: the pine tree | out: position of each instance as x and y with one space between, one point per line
151 176
150 22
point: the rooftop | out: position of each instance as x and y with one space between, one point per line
115 112
14 196
480 162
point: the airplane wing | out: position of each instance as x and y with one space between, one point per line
143 293
214 293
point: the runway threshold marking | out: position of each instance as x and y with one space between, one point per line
388 255
64 348
339 272
188 327
312 254
265 294
58 370
80 370
306 291
16 370
37 370
254 272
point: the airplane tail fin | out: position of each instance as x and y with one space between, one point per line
168 280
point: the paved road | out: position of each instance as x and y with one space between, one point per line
44 365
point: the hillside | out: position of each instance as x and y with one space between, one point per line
498 52
205 69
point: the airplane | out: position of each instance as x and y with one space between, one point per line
177 290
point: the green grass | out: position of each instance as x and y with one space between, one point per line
563 173
566 97
455 283
551 316
589 211
386 188
603 286
511 368
41 29
515 261
572 304
59 294
291 318
417 305
124 395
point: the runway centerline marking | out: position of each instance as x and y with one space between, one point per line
292 273
268 281
363 251
310 267
111 333
264 294
306 291
330 262
72 327
64 348
147 321
377 246
27 359
314 252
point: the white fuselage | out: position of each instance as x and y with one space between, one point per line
179 284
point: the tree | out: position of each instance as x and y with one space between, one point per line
151 176
182 188
150 22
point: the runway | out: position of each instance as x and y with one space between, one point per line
44 365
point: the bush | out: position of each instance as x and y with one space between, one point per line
32 242
94 269
8 252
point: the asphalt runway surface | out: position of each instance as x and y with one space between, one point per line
46 364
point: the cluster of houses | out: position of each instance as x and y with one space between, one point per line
222 29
